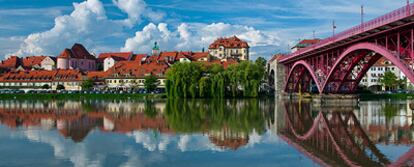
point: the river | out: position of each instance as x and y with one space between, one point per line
215 133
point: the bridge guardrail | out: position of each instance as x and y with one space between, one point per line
395 15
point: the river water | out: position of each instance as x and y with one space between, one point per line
205 133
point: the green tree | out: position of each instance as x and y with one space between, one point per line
200 80
87 84
261 62
151 83
46 86
389 80
150 110
60 87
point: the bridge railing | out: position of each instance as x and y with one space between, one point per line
393 16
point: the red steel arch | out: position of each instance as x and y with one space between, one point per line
309 69
374 48
333 59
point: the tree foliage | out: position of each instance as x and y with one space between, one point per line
389 80
60 87
151 83
261 61
87 84
45 86
198 80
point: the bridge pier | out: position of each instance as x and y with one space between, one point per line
326 100
278 72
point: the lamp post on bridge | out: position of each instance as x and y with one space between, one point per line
362 17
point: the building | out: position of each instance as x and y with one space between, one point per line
129 74
372 78
303 44
36 79
39 62
107 60
77 58
232 47
29 63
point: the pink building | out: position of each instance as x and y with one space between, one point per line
76 58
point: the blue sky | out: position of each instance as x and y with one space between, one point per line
34 27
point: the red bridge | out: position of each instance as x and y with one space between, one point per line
337 64
334 138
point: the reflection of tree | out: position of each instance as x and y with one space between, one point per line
390 111
213 115
150 110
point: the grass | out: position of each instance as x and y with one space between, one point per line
79 96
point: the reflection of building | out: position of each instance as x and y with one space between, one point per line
76 122
387 122
228 139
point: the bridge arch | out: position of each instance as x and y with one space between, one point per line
308 68
379 52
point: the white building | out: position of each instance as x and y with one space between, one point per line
109 59
232 47
372 78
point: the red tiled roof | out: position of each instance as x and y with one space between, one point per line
132 69
116 55
138 57
276 57
32 61
167 56
77 51
232 42
225 63
97 74
309 41
199 55
42 76
10 63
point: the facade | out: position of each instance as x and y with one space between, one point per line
129 74
29 63
109 59
38 62
303 44
48 63
232 47
76 58
372 78
36 79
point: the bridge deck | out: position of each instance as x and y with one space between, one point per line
378 25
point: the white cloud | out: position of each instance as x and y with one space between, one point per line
194 36
87 24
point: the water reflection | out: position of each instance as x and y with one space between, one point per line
349 135
286 133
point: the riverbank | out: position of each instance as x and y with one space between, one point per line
362 96
79 96
397 96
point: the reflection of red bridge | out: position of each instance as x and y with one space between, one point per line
77 124
337 64
334 139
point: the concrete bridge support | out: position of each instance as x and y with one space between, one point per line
277 75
